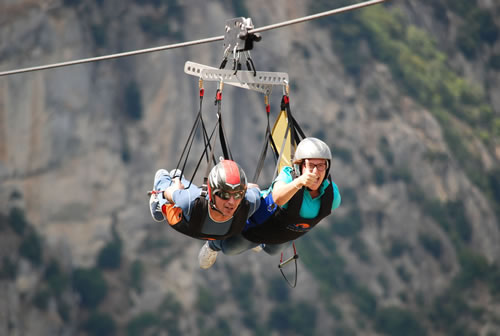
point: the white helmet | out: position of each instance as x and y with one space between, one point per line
311 148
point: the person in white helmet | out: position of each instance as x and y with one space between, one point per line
220 214
299 198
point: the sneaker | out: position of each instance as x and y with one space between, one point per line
176 173
154 202
257 248
207 256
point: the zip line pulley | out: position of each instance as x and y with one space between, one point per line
238 41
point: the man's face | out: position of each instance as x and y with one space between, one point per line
228 202
317 167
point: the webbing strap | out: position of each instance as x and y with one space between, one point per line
296 133
191 137
268 140
226 151
212 159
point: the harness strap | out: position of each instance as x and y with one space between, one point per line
297 132
189 143
211 159
268 141
225 147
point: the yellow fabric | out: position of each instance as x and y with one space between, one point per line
280 135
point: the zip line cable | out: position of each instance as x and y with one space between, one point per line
195 42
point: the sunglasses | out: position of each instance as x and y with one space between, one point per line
227 195
320 166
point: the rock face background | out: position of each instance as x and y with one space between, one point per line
406 94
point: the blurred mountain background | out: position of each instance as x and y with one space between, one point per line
405 93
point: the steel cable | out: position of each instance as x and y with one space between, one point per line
191 43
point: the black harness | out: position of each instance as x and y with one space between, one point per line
287 224
194 226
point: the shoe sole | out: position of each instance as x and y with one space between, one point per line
157 215
211 263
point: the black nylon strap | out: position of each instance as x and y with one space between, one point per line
189 143
268 141
226 151
211 156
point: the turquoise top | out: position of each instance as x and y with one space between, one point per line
310 206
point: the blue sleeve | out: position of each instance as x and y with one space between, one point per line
253 197
184 199
336 196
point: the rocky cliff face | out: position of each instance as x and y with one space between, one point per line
79 147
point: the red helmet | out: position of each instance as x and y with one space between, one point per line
226 176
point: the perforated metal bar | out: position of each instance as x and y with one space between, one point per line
263 81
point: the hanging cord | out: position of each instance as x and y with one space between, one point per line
297 132
206 139
204 187
225 146
236 60
282 264
268 140
212 159
250 64
189 143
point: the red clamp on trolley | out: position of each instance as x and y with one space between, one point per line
266 102
286 99
202 90
218 94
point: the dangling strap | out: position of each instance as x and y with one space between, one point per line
282 264
297 133
225 147
268 140
191 137
189 143
211 159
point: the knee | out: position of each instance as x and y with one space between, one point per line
274 249
231 251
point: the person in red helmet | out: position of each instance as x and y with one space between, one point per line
218 214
